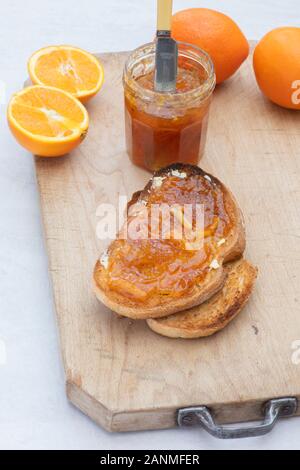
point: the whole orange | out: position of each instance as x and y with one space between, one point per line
276 63
216 34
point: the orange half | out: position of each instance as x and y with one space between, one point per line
47 121
68 68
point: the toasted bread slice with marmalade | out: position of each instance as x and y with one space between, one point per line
144 279
214 314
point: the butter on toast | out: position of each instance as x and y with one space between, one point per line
214 314
122 293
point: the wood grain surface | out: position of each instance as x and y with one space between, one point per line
118 372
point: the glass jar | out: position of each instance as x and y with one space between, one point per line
166 128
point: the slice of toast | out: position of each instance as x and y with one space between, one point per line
159 304
214 314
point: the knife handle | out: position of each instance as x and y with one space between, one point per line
164 15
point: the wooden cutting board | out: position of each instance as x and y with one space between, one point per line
118 372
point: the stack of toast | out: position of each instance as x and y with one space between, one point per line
183 288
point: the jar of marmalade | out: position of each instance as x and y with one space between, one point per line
166 128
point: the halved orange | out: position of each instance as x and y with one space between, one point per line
69 68
47 121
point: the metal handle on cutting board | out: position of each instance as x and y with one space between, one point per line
273 410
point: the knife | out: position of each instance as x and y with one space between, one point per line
166 56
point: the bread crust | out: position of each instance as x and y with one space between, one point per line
123 306
214 314
161 306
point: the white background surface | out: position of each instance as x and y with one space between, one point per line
34 413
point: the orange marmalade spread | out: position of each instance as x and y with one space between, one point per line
140 267
187 80
166 128
158 137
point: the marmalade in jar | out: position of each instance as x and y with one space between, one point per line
166 128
